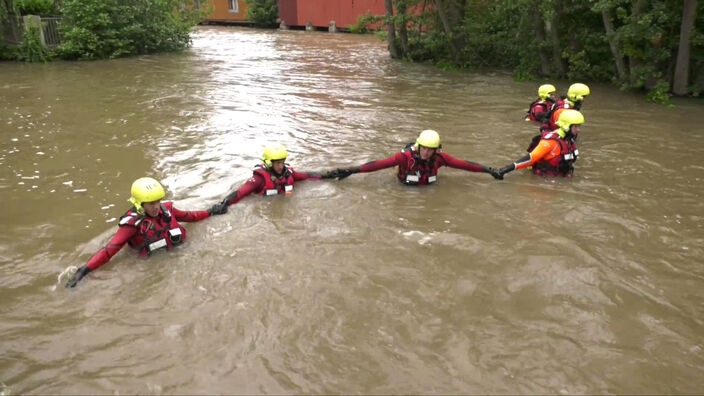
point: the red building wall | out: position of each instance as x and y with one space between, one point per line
321 12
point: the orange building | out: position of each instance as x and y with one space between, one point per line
224 11
321 12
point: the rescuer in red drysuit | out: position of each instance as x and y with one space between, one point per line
272 177
418 162
148 226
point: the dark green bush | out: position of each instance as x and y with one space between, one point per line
31 49
263 13
98 29
36 7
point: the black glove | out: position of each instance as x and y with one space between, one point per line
83 271
494 172
343 173
218 209
506 169
333 174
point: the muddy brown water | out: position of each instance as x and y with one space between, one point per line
527 285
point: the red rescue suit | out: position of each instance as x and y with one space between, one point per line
538 110
550 120
154 233
418 172
147 234
562 164
275 184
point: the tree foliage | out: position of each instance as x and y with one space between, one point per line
31 49
36 7
631 43
263 13
98 29
7 7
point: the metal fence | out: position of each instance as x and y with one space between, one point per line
12 30
50 28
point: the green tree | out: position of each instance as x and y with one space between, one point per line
632 43
263 13
6 8
36 7
98 29
681 75
32 49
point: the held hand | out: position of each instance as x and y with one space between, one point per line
83 271
506 169
218 209
343 173
338 173
333 174
495 172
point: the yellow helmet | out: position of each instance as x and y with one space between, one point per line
428 138
273 153
568 118
577 92
545 90
145 189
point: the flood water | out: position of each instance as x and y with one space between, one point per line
472 285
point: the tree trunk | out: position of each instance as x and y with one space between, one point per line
401 8
551 27
450 13
682 68
618 58
422 11
391 32
540 37
633 62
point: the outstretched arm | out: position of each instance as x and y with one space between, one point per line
372 166
104 255
254 184
538 153
189 216
453 162
123 234
298 176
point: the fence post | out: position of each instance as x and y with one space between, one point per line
34 21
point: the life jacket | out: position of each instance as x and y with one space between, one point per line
538 109
275 185
154 233
418 172
550 119
562 164
536 140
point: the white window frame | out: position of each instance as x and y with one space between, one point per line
233 7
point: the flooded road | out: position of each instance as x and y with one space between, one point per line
526 285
